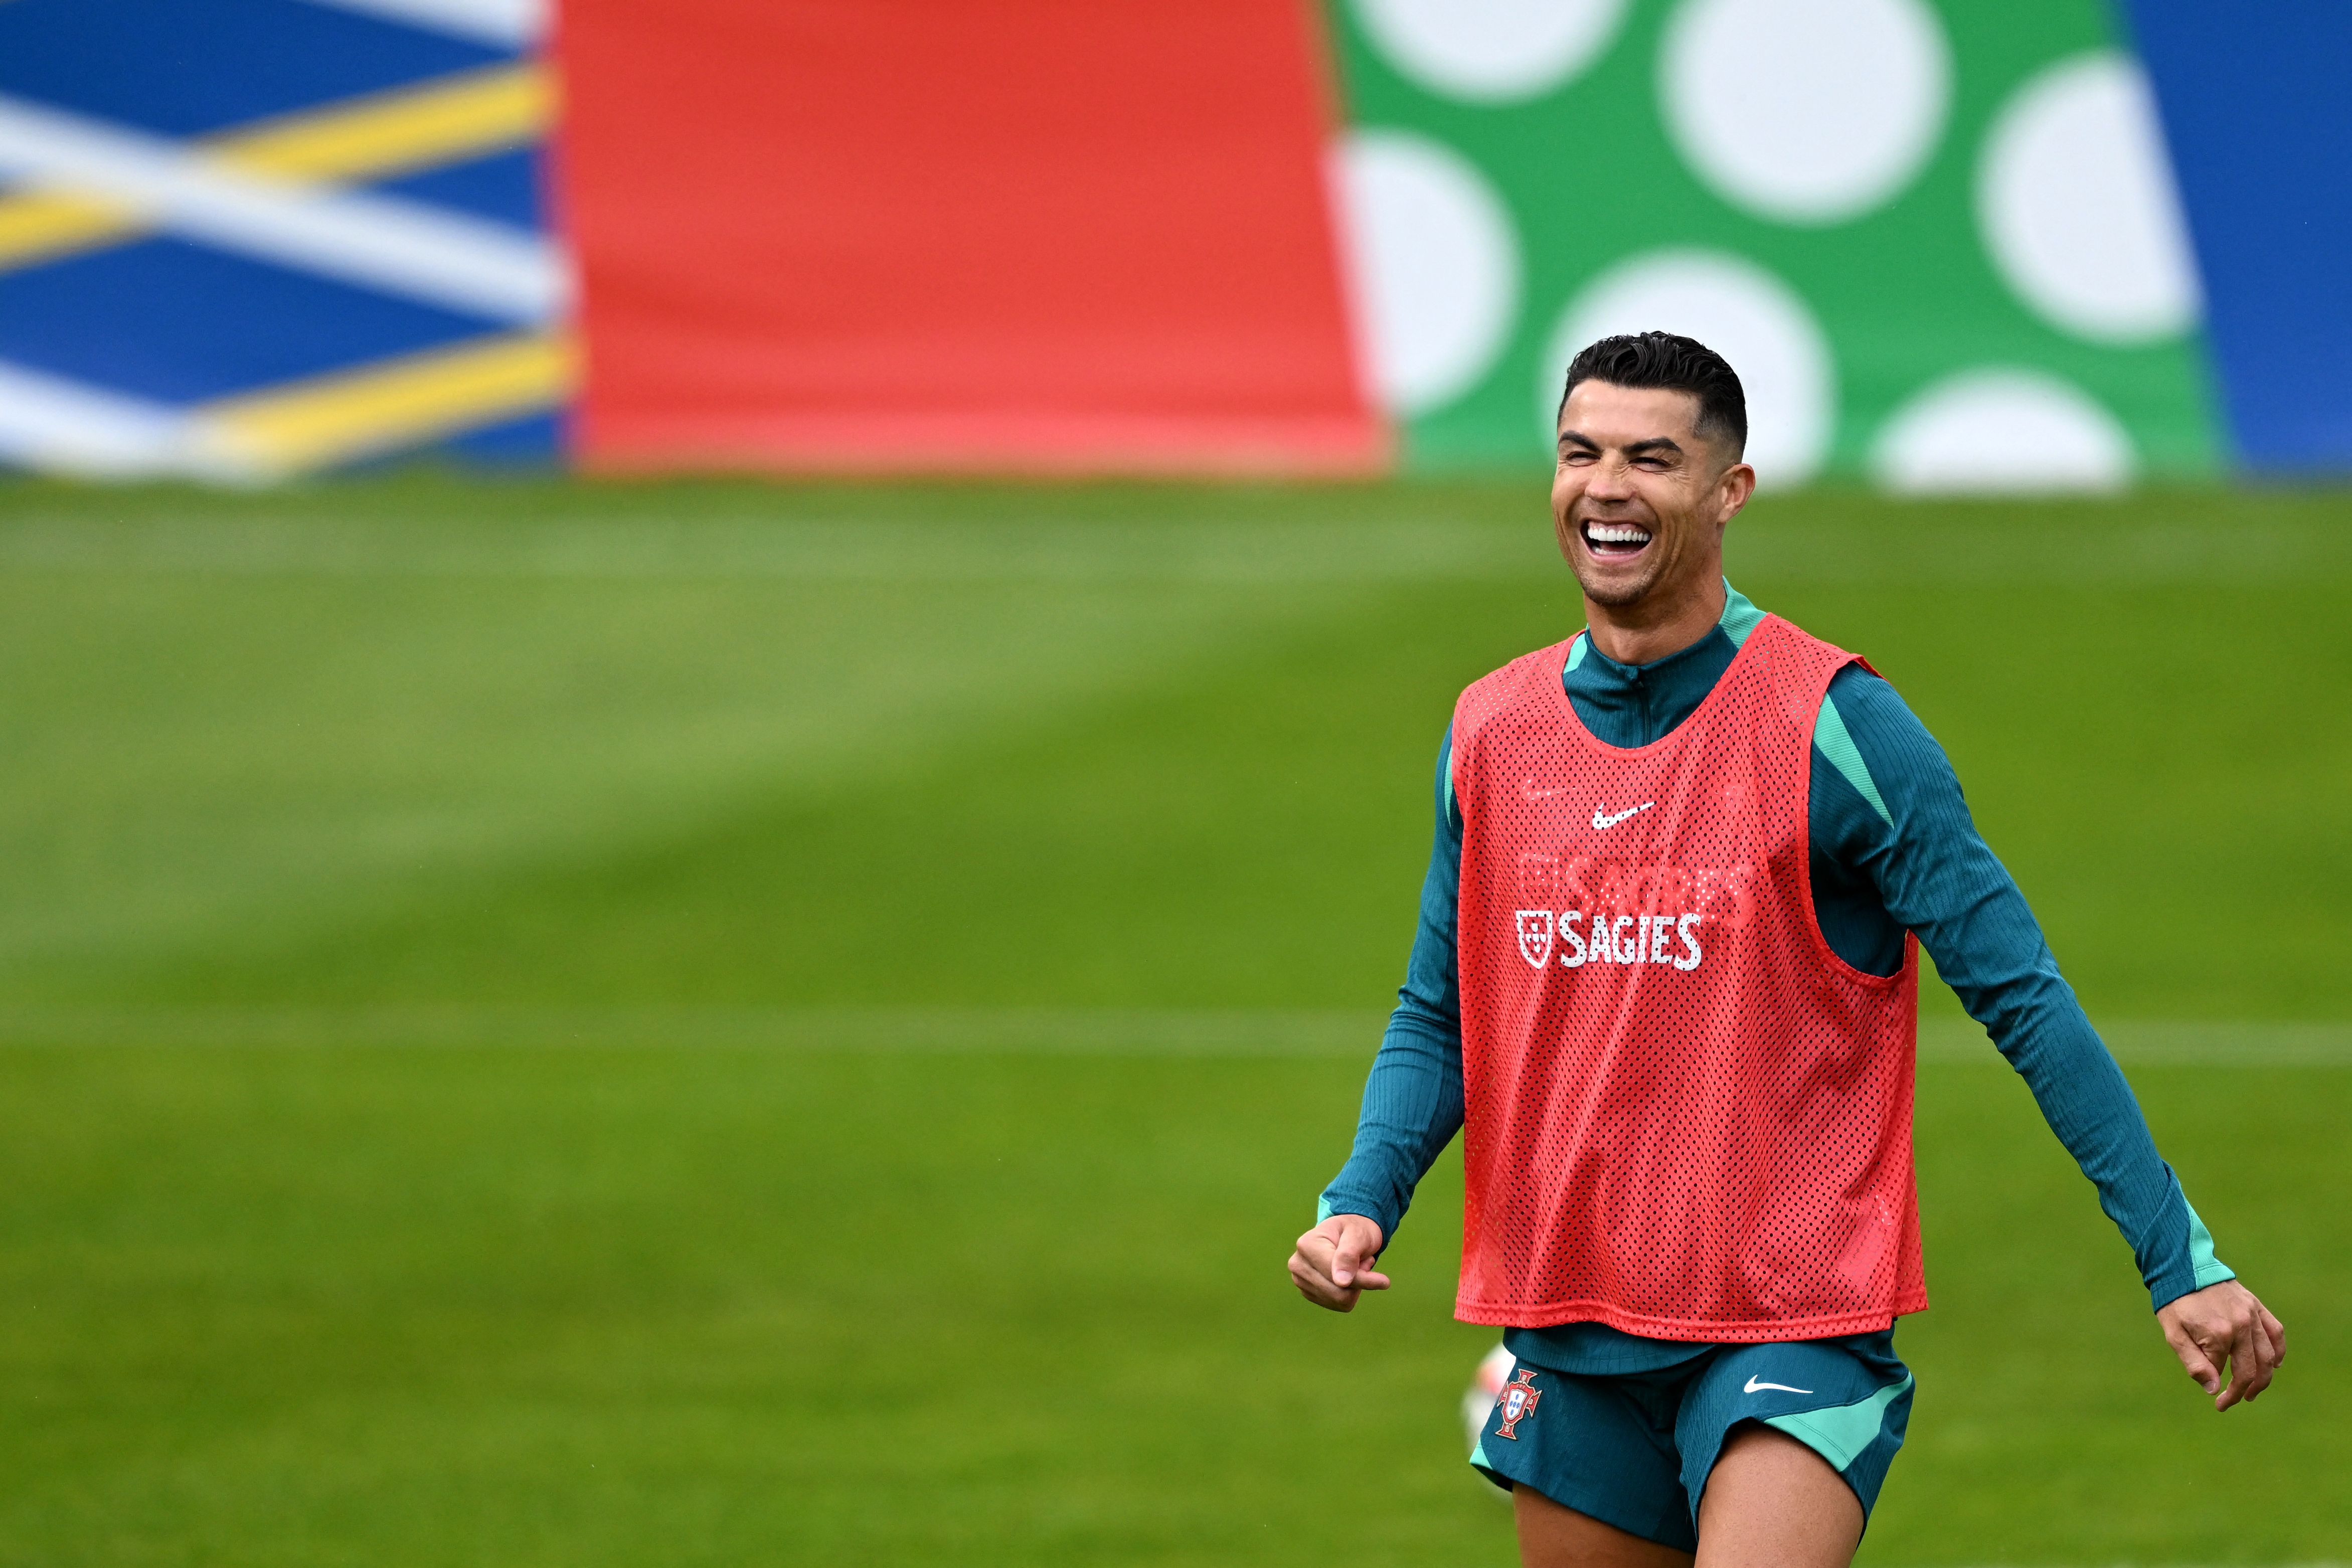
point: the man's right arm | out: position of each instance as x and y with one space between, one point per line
1412 1099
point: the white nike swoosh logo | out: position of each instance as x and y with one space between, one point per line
1754 1386
1602 820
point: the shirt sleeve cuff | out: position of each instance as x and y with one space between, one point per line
2199 1270
1333 1202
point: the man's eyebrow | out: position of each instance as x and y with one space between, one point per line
1653 445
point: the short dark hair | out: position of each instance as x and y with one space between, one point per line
1674 363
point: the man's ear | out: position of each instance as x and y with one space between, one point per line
1736 484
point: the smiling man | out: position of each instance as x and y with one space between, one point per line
1666 986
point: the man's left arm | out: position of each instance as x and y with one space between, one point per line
1895 815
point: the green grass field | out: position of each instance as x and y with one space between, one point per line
719 1024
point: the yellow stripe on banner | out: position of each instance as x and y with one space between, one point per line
331 419
36 227
449 119
452 118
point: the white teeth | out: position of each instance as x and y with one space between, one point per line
1616 534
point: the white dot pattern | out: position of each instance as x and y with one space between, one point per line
1686 1116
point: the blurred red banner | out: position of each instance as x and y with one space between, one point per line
1055 234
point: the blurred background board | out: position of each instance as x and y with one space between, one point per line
1043 237
707 1021
1906 224
242 239
2007 244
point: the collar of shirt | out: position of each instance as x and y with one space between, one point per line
1633 705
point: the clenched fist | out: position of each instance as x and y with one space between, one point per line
1333 1264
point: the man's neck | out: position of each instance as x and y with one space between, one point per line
1644 632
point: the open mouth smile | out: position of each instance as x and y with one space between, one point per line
1615 541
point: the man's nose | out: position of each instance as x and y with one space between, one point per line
1610 481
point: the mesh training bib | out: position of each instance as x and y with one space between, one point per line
1687 1117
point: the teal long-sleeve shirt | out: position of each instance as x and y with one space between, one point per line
1893 849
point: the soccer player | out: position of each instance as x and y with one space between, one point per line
1667 984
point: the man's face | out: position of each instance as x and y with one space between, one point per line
1640 497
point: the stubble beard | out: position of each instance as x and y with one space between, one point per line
1620 595
1616 598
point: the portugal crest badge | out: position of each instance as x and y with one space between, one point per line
1516 1403
1535 936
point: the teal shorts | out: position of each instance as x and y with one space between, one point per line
1634 1449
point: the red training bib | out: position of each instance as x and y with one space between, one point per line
1686 1116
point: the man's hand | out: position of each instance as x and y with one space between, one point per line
1334 1262
2219 1325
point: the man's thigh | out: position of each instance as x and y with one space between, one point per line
1773 1502
1553 1536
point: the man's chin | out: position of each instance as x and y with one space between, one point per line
1615 589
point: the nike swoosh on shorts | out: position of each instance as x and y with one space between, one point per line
1757 1386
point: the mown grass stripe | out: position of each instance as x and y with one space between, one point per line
1075 1031
793 545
